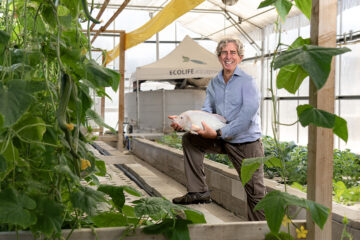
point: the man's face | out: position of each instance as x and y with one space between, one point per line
229 57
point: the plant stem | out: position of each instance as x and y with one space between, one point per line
274 102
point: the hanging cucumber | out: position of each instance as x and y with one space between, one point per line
87 13
65 92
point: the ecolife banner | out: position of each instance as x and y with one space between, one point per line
172 11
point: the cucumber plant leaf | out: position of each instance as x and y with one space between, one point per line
100 167
173 229
50 215
315 60
132 191
30 128
1 121
319 213
11 155
194 216
290 77
4 39
15 208
250 165
86 199
305 7
3 165
275 203
98 120
282 6
110 219
116 193
17 94
340 129
307 114
102 76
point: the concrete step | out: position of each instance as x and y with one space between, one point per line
157 183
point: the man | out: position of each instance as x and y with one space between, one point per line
234 95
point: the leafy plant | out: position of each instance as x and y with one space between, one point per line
48 177
297 62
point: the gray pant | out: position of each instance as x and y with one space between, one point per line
195 147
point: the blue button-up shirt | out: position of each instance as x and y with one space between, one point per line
238 101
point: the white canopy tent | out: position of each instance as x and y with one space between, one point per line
188 60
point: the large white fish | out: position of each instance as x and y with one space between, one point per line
191 120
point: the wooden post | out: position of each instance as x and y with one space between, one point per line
121 92
320 147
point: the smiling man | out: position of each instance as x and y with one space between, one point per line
234 95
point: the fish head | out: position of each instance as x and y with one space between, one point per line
183 120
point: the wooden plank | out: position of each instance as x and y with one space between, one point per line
107 138
320 147
102 29
121 92
102 9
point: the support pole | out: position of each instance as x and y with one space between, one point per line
102 104
121 90
320 147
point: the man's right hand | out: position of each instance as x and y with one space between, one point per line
174 125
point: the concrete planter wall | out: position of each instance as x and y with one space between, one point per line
226 231
225 186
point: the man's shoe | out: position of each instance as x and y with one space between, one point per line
193 198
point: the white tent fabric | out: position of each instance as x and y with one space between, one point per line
188 60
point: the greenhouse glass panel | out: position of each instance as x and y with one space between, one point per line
350 71
350 111
288 115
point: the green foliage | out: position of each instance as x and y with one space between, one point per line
347 167
275 203
86 199
250 165
15 208
310 115
345 195
42 47
110 219
94 116
315 60
279 236
282 7
290 77
175 218
49 216
117 194
172 140
305 7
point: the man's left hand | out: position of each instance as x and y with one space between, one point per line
207 132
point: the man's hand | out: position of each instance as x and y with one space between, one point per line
208 132
175 126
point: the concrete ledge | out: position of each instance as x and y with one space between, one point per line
225 186
228 231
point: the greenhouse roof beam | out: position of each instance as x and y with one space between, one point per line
103 28
103 7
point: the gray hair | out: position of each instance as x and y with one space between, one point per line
224 41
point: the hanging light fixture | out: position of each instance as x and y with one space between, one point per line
229 2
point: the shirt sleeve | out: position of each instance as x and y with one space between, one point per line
247 111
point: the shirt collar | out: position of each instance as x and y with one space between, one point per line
237 72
